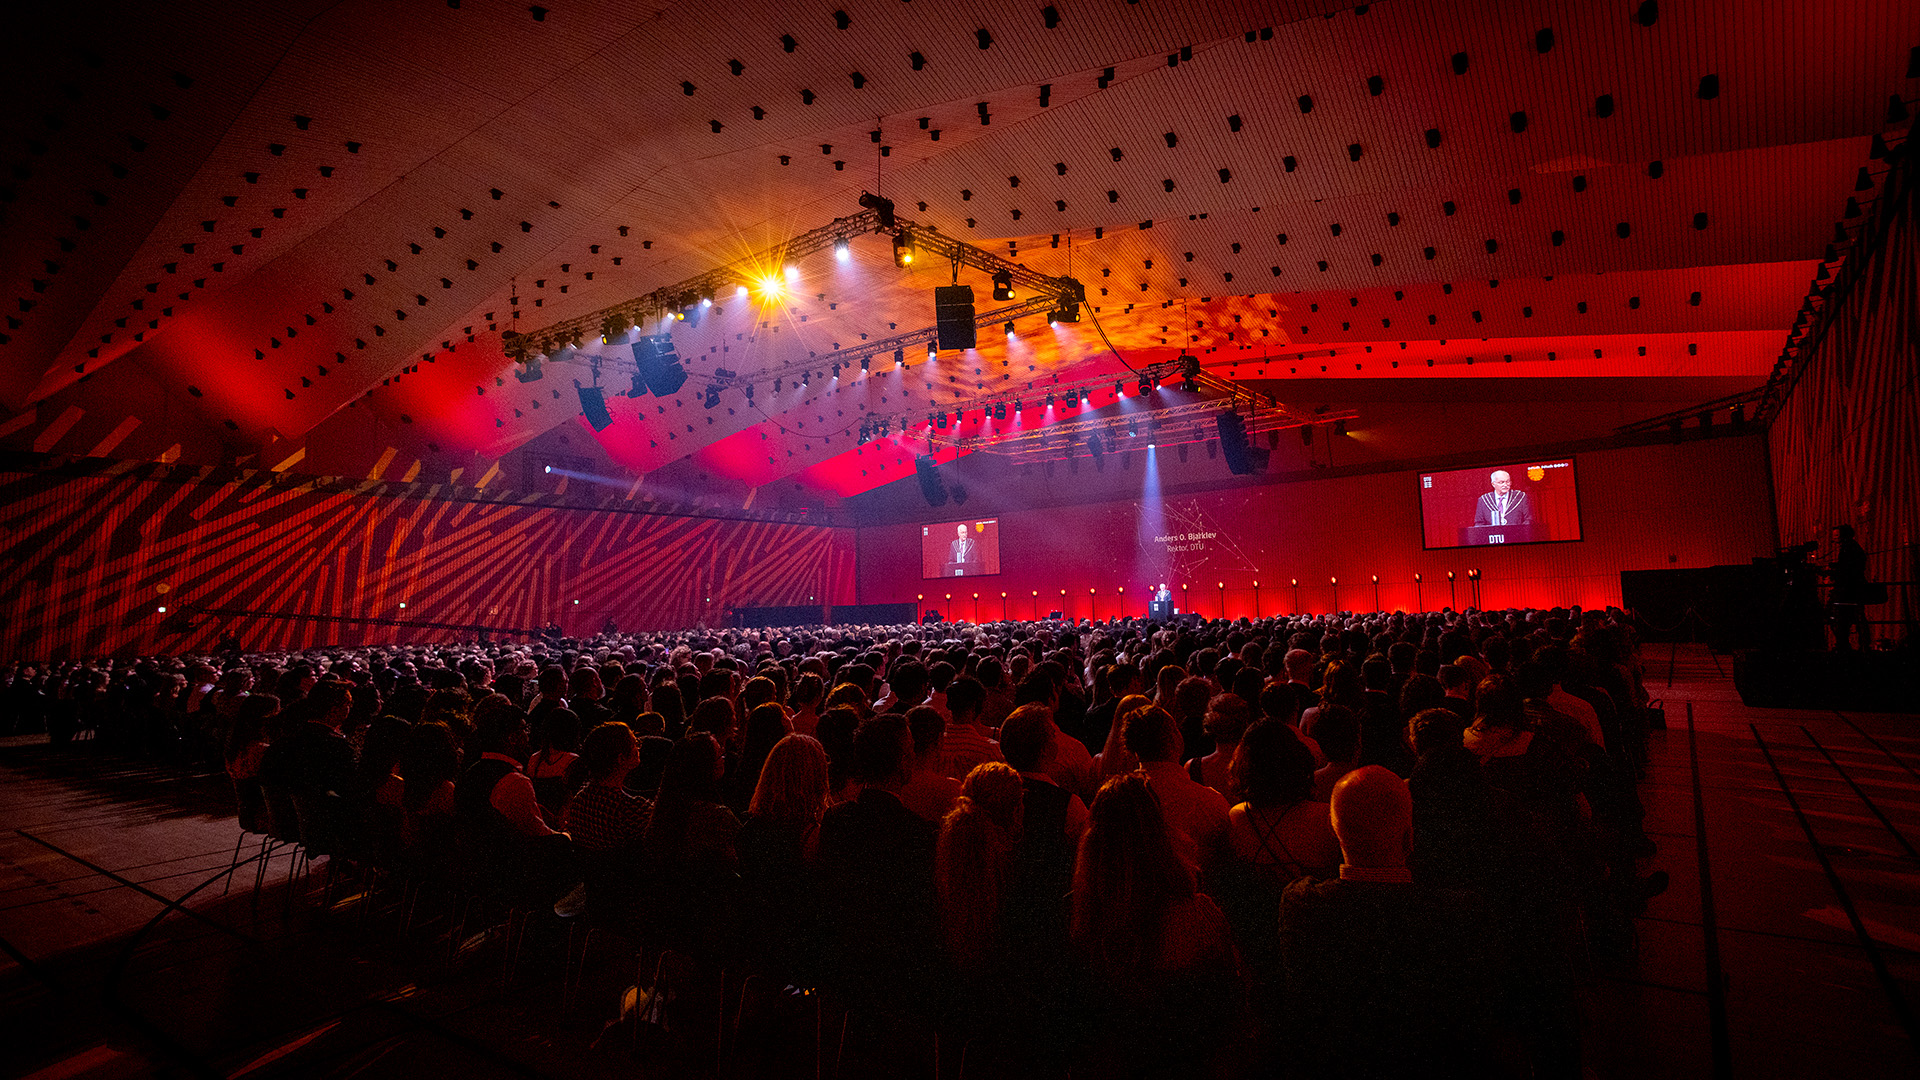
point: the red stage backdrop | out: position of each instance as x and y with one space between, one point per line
87 561
1699 503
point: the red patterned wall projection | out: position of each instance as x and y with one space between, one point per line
88 559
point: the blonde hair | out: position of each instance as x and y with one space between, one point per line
977 839
793 783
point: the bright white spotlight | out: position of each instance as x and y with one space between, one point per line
793 272
772 287
841 250
548 468
162 609
739 290
706 301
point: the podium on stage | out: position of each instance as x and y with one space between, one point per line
1160 609
955 569
1481 535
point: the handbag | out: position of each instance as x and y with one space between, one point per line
1655 715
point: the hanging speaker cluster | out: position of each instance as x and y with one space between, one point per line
953 316
1243 458
931 486
659 368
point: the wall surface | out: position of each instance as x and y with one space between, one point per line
1846 443
1697 503
87 561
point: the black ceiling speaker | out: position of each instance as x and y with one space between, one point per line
931 487
593 405
953 316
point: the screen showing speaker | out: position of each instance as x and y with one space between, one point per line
1523 502
960 549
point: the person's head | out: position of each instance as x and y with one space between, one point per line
561 732
715 716
882 752
966 698
1499 705
926 726
1026 736
960 531
908 680
1844 532
1456 681
793 783
500 730
331 701
1191 696
994 788
1373 818
1272 767
766 725
429 759
1420 692
1152 734
1226 719
1502 482
609 753
1299 664
693 770
1435 730
808 690
1337 729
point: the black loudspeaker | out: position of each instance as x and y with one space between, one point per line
930 484
953 316
593 405
659 366
1243 458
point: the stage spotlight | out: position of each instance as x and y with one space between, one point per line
1189 373
1003 285
771 287
792 272
900 357
932 350
1146 385
748 389
1009 328
1340 428
836 369
1049 399
1119 388
546 468
841 250
882 208
902 251
865 363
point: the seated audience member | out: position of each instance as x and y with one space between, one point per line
766 726
1337 730
417 801
1278 828
1114 758
1226 721
876 876
1383 976
503 835
548 764
835 733
688 849
314 765
967 741
1458 684
1195 812
1165 977
603 816
929 792
973 861
779 891
246 749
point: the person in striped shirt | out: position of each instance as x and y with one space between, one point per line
967 741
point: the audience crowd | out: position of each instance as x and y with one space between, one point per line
1360 845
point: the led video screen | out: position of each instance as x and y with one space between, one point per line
1523 502
960 549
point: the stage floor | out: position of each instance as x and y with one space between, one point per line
1808 854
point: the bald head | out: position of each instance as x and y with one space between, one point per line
1373 817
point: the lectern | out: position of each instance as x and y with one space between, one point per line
1480 535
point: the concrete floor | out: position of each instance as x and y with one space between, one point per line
1787 946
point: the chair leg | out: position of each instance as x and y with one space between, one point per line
233 865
